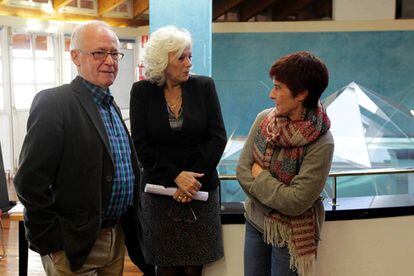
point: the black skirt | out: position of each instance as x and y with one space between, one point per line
181 234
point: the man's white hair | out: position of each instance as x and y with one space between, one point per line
77 39
168 39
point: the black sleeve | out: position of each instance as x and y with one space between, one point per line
152 161
212 149
39 160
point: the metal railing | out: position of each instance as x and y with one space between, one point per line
335 175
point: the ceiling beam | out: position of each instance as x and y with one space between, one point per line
140 6
323 9
120 22
31 13
283 9
105 6
220 7
253 7
57 4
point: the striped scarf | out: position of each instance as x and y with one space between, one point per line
290 139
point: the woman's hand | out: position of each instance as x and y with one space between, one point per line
256 170
187 182
181 196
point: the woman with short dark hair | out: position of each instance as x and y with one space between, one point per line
283 168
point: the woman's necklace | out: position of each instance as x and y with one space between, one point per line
173 104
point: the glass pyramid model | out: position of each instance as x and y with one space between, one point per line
370 131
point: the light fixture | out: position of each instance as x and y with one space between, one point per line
33 25
47 8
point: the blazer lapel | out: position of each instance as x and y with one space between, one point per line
185 103
84 97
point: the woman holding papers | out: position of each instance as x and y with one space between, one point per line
283 168
178 131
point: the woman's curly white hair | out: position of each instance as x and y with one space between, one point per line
168 39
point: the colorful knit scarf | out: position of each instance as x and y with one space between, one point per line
279 147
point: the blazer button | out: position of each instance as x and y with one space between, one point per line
108 178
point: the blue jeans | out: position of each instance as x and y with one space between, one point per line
261 259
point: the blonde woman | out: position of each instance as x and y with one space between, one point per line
178 131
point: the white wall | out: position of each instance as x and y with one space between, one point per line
232 263
370 247
363 9
377 247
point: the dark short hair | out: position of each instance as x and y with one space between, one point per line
302 71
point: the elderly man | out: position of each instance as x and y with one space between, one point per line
78 168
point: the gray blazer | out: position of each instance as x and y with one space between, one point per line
66 171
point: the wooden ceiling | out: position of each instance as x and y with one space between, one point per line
139 12
242 10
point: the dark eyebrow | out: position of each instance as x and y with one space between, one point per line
105 50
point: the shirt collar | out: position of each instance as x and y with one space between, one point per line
100 95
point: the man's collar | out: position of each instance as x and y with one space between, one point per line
100 95
94 86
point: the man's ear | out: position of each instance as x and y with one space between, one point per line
74 54
302 95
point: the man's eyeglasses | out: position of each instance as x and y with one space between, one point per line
102 55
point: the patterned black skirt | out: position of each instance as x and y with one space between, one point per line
181 234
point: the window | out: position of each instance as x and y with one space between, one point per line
86 4
123 11
33 67
123 7
371 118
1 82
73 4
5 127
68 67
88 7
404 9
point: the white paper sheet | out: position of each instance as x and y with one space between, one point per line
161 190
